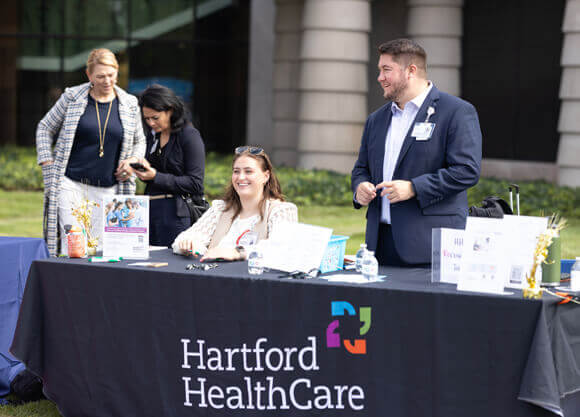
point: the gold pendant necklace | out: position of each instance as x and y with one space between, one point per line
103 132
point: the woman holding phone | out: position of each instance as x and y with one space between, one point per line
174 164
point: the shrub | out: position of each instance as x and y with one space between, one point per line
19 171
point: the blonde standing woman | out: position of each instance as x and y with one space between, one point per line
85 144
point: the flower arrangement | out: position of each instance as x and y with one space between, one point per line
555 225
82 212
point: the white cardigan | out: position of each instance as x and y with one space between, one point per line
202 231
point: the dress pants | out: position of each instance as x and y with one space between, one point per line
386 252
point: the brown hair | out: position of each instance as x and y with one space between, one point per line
272 189
101 56
406 52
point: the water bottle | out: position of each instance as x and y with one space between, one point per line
370 266
255 261
359 257
575 275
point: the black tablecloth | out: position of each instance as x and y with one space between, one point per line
115 340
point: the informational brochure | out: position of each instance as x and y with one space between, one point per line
484 264
521 235
296 247
126 226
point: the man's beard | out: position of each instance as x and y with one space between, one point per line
396 92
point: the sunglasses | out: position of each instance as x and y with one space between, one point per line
254 150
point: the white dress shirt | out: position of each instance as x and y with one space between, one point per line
401 121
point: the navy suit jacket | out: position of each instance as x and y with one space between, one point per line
441 169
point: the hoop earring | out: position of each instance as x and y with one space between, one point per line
91 84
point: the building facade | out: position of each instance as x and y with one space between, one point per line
299 76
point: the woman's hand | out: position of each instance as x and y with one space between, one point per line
149 172
189 246
227 254
124 170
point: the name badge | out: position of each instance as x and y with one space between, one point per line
422 131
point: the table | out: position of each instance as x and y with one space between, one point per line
115 340
16 255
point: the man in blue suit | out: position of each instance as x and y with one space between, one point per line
419 154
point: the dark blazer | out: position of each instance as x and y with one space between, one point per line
441 170
183 164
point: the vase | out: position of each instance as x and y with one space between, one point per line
551 269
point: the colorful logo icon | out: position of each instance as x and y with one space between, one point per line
338 308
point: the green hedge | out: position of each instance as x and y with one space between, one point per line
19 171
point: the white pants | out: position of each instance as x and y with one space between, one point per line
70 195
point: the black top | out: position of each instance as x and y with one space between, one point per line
180 164
84 163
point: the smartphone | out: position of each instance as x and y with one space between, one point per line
138 166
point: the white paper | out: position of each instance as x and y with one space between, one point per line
521 235
484 264
296 247
126 226
352 278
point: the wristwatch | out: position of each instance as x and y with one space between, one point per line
241 251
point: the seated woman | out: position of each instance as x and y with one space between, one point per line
253 201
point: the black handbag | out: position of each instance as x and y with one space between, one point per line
188 205
493 207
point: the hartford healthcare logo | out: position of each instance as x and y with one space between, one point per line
333 339
262 376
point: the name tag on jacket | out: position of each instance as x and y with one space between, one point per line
422 131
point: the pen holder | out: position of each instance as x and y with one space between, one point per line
551 269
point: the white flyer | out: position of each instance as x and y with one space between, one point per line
521 235
126 226
296 247
484 263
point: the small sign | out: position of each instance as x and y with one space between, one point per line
447 249
126 226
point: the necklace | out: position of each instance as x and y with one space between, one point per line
103 132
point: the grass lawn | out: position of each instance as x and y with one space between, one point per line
21 213
42 408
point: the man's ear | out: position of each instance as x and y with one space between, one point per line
413 70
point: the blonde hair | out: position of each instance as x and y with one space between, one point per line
101 56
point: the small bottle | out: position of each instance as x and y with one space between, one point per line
255 261
359 257
370 266
575 275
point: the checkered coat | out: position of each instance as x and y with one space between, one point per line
54 138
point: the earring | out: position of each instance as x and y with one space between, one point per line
91 84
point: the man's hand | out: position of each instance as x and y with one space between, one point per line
365 192
398 190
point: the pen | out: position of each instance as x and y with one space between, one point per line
104 259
